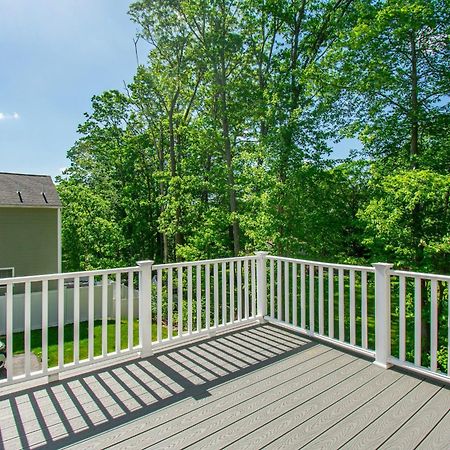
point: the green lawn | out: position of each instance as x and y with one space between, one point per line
36 340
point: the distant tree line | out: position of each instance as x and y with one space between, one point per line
221 143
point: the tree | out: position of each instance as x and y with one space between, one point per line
111 161
394 233
220 143
392 72
91 236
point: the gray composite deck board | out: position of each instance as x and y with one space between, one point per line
270 408
336 410
254 387
421 424
225 425
439 436
375 434
357 421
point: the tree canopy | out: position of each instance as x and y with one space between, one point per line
221 144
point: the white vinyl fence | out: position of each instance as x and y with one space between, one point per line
69 313
396 317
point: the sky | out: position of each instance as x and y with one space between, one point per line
54 56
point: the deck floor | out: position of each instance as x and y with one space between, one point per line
260 386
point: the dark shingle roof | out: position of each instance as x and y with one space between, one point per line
27 190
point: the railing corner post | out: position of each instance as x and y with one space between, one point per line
145 307
261 278
382 315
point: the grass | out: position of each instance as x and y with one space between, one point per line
36 340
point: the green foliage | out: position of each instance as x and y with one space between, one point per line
91 236
220 143
389 73
407 220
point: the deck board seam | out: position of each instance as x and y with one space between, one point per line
411 416
383 413
432 429
285 412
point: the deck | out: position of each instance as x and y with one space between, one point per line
260 386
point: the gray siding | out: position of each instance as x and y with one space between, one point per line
29 240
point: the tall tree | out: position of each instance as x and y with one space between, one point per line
392 71
220 143
167 86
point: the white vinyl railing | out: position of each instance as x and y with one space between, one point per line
423 323
398 318
325 300
82 318
49 307
198 297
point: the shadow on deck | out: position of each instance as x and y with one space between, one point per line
257 386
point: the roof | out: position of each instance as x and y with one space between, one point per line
27 190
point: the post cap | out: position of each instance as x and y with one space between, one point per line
383 265
147 262
261 253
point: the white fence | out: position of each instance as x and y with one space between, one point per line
364 309
321 300
185 300
69 313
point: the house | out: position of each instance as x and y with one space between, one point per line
30 225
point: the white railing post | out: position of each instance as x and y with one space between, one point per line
145 307
382 314
261 278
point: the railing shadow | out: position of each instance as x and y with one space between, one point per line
79 407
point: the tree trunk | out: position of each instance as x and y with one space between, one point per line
173 169
162 189
221 81
232 191
414 145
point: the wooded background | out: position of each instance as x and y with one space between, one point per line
221 143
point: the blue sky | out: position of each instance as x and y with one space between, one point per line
54 56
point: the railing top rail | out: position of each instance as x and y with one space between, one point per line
322 264
428 276
66 275
112 271
204 261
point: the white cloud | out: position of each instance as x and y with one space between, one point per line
6 116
